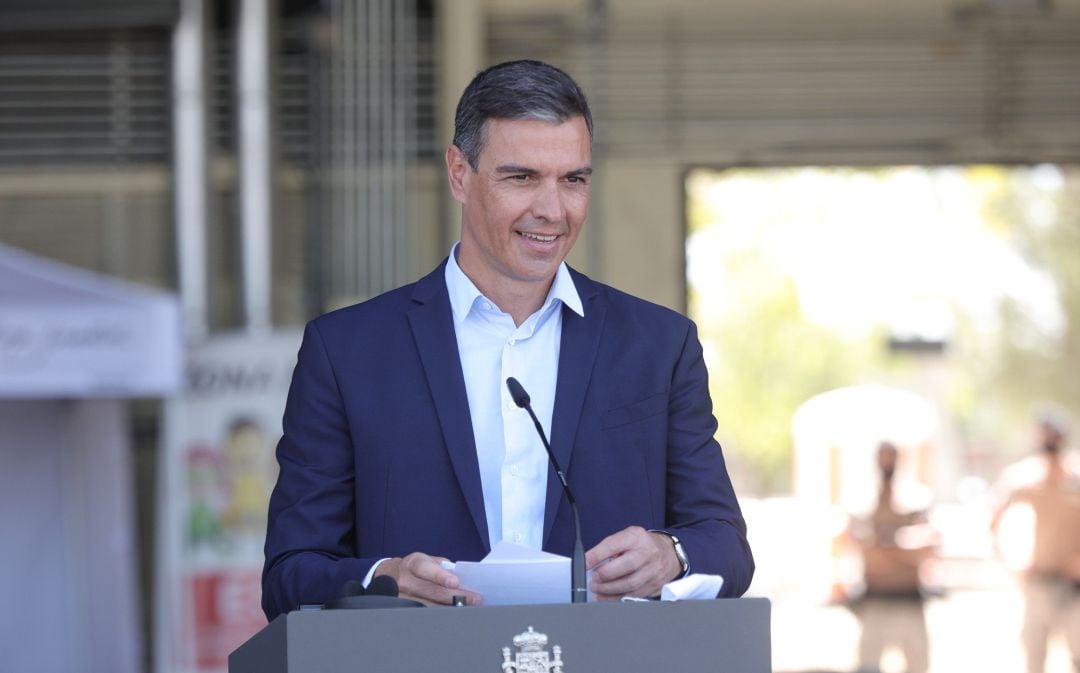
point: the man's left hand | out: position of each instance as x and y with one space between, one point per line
638 563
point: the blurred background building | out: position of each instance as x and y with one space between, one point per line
268 161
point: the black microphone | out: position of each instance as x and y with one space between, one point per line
382 592
578 593
382 585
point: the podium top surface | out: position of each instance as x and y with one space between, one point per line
730 635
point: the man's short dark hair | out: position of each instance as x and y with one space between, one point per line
516 90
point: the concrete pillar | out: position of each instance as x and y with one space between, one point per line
461 45
191 157
255 154
643 248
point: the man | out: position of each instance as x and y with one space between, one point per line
894 542
402 447
1049 484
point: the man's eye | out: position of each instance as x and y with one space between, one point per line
519 178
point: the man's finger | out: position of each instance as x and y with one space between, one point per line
640 569
433 594
622 565
429 568
611 546
422 577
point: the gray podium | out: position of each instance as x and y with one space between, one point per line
725 636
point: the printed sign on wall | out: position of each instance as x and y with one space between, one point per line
218 469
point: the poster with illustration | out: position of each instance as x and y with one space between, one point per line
217 471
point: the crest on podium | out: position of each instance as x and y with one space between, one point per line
532 655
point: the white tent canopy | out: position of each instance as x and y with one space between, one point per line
73 344
66 332
836 435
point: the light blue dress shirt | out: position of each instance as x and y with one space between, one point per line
513 462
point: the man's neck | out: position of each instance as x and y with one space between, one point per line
1055 470
520 300
517 297
885 495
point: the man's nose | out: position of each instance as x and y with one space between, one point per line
548 204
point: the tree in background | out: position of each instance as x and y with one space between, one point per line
1033 358
794 274
765 357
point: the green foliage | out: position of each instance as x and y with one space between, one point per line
1011 235
765 356
1033 366
762 367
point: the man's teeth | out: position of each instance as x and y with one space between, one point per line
538 237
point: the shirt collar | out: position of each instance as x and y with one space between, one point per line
463 293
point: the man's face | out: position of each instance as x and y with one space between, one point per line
1052 437
524 205
887 458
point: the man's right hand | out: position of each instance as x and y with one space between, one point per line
422 578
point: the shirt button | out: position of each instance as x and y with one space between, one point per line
513 341
517 537
514 471
487 306
510 406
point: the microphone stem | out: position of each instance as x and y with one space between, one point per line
578 592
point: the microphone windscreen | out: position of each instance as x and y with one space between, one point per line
352 588
517 393
382 585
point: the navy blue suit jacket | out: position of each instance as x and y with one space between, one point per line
378 459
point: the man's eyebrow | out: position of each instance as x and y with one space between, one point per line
579 172
512 169
516 170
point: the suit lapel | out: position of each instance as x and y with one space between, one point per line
432 325
577 353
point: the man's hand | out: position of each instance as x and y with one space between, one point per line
638 563
421 578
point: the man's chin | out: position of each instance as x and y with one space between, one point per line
533 273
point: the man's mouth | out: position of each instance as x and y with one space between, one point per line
538 237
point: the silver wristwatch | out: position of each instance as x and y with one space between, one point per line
680 553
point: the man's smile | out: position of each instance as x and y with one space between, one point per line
542 238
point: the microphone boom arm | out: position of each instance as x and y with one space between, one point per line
579 592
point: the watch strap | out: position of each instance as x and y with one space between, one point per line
680 553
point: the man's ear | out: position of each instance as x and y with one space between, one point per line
458 171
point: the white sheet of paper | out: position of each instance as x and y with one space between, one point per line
515 575
692 588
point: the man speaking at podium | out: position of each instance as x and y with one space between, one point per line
402 446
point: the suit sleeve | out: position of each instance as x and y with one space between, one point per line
311 526
701 507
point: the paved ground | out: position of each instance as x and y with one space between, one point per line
974 631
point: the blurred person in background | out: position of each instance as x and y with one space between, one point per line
894 540
1047 483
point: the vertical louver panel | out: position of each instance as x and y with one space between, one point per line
84 97
92 97
693 86
370 135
